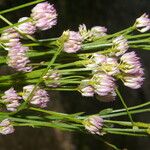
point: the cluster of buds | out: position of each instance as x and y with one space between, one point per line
93 33
52 77
73 42
94 124
40 97
11 99
108 68
44 16
6 127
17 57
143 23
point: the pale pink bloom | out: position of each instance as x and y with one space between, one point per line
120 45
98 31
10 37
44 16
85 33
87 91
99 58
26 27
6 127
94 124
143 23
73 43
11 99
130 63
18 59
110 66
103 84
40 97
134 81
52 78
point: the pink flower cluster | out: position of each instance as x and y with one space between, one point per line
93 33
94 124
6 127
51 79
44 16
73 43
40 96
11 99
111 67
143 23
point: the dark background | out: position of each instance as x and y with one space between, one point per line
115 15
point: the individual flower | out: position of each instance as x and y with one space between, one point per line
94 124
120 46
26 27
98 31
44 16
85 33
110 66
94 32
52 78
73 43
134 81
103 84
40 97
10 38
18 59
143 23
11 99
130 63
86 89
6 127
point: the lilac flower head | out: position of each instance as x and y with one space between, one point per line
120 45
40 96
10 38
17 58
134 81
98 31
44 16
85 33
86 89
110 66
6 127
130 63
94 124
27 27
73 44
52 78
143 23
103 84
11 99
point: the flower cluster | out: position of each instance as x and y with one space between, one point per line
43 17
143 23
6 127
93 33
94 124
11 99
73 42
40 96
108 68
52 78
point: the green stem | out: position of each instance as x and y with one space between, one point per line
124 104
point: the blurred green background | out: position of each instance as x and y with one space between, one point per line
115 15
